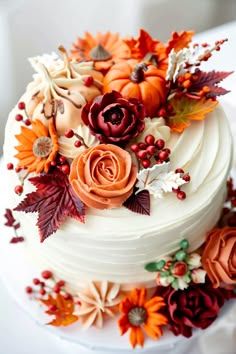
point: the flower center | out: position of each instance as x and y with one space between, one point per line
137 316
42 146
114 116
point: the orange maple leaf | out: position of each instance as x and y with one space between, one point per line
62 309
143 45
187 109
179 40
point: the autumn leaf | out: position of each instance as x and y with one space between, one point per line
210 79
139 203
187 109
179 40
54 200
141 46
62 309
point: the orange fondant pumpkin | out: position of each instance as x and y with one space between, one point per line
138 80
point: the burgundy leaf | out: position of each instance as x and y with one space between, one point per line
216 91
209 79
54 200
139 203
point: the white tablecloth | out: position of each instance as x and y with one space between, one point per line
20 335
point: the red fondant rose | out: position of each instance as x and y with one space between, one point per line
114 119
219 256
103 176
195 307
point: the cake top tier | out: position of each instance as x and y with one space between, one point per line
114 124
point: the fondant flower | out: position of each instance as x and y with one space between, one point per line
38 146
103 48
98 300
103 176
114 119
140 314
195 307
219 256
155 127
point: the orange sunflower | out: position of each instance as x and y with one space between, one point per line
38 146
140 314
104 49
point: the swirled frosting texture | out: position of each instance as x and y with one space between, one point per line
115 244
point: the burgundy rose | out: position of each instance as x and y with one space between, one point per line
114 119
195 307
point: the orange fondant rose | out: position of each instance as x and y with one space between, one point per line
219 256
103 176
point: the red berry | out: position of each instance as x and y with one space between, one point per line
142 154
27 122
18 169
186 178
170 108
60 283
167 150
134 148
142 146
19 117
46 274
180 269
181 195
53 163
162 112
36 281
179 170
67 296
21 105
160 143
42 291
29 290
151 149
62 159
52 308
149 139
146 163
88 81
56 288
10 166
65 169
163 155
77 143
18 189
69 133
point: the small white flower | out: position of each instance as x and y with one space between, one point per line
163 280
194 260
181 284
50 61
158 180
155 127
198 276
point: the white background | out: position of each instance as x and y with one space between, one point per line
28 28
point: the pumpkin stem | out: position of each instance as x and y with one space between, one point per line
99 53
151 58
138 73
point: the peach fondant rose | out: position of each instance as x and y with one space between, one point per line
219 256
103 176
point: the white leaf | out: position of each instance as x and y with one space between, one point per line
158 180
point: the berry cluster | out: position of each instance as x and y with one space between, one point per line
47 286
149 149
228 216
181 195
19 117
70 134
62 164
